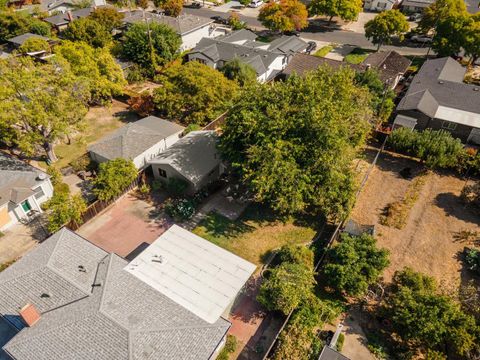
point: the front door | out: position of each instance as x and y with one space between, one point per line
26 206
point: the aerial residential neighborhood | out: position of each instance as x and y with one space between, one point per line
239 179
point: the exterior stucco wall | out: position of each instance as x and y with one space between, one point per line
191 39
141 161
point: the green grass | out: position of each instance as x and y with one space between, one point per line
323 51
255 234
417 62
357 55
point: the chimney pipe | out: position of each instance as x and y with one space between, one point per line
69 15
29 314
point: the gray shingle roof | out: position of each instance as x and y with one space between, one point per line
329 354
133 139
440 83
17 178
193 156
62 19
288 45
20 39
390 64
120 317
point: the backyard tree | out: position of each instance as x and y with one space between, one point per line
94 67
89 31
294 145
286 286
354 264
425 319
34 44
286 15
109 17
345 9
63 208
450 35
296 254
385 25
193 93
441 10
13 23
171 7
150 45
39 105
239 71
113 178
471 43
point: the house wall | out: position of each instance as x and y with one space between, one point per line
190 40
141 161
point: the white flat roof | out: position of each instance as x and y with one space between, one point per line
193 272
458 116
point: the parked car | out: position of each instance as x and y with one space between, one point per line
194 5
415 17
311 46
292 33
422 39
255 3
220 20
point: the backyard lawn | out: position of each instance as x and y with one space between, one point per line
254 234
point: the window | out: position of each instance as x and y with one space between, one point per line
38 192
449 125
162 173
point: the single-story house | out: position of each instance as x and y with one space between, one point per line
69 299
412 6
23 188
191 28
391 66
381 5
63 6
19 40
60 21
139 141
194 159
267 59
439 99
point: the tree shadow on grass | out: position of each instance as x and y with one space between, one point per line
126 116
219 226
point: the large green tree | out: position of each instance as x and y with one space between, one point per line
171 7
239 71
286 15
150 45
113 178
441 10
384 26
39 104
13 23
89 31
63 208
347 10
293 145
424 319
194 93
95 67
109 17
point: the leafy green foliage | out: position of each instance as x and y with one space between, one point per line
296 254
51 105
55 175
89 31
165 43
437 148
347 10
34 44
193 93
171 7
239 71
424 319
354 264
95 67
13 23
63 208
294 144
286 15
385 25
471 194
113 178
472 259
108 17
180 209
235 22
229 348
382 96
176 186
441 10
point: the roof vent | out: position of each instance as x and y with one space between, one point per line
29 314
45 296
41 176
81 268
475 89
440 81
157 259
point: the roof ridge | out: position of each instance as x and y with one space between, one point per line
183 327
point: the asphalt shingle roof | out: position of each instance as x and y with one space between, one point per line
135 138
20 39
91 308
389 63
62 19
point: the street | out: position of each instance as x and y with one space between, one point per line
318 32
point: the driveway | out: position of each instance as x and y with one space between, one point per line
130 224
19 239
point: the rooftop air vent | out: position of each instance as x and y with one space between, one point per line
41 176
45 296
81 268
475 89
440 81
157 259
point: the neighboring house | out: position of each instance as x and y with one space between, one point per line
194 159
410 6
52 6
60 21
19 40
267 59
439 99
391 66
23 189
191 28
380 5
139 141
69 299
329 354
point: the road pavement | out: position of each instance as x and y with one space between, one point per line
319 32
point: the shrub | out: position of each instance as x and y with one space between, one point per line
472 258
296 254
143 105
229 348
180 209
63 208
340 341
55 175
192 127
157 185
176 186
113 178
81 163
471 194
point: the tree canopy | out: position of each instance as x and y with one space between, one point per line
165 44
34 44
347 10
441 10
95 67
171 7
354 264
294 144
239 71
63 208
113 178
14 23
382 96
39 104
89 31
385 25
286 15
108 17
194 93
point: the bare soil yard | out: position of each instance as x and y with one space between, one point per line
428 241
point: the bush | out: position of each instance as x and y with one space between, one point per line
180 209
55 175
176 187
143 105
157 185
471 194
135 74
229 348
192 127
472 259
113 178
296 254
340 342
81 163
